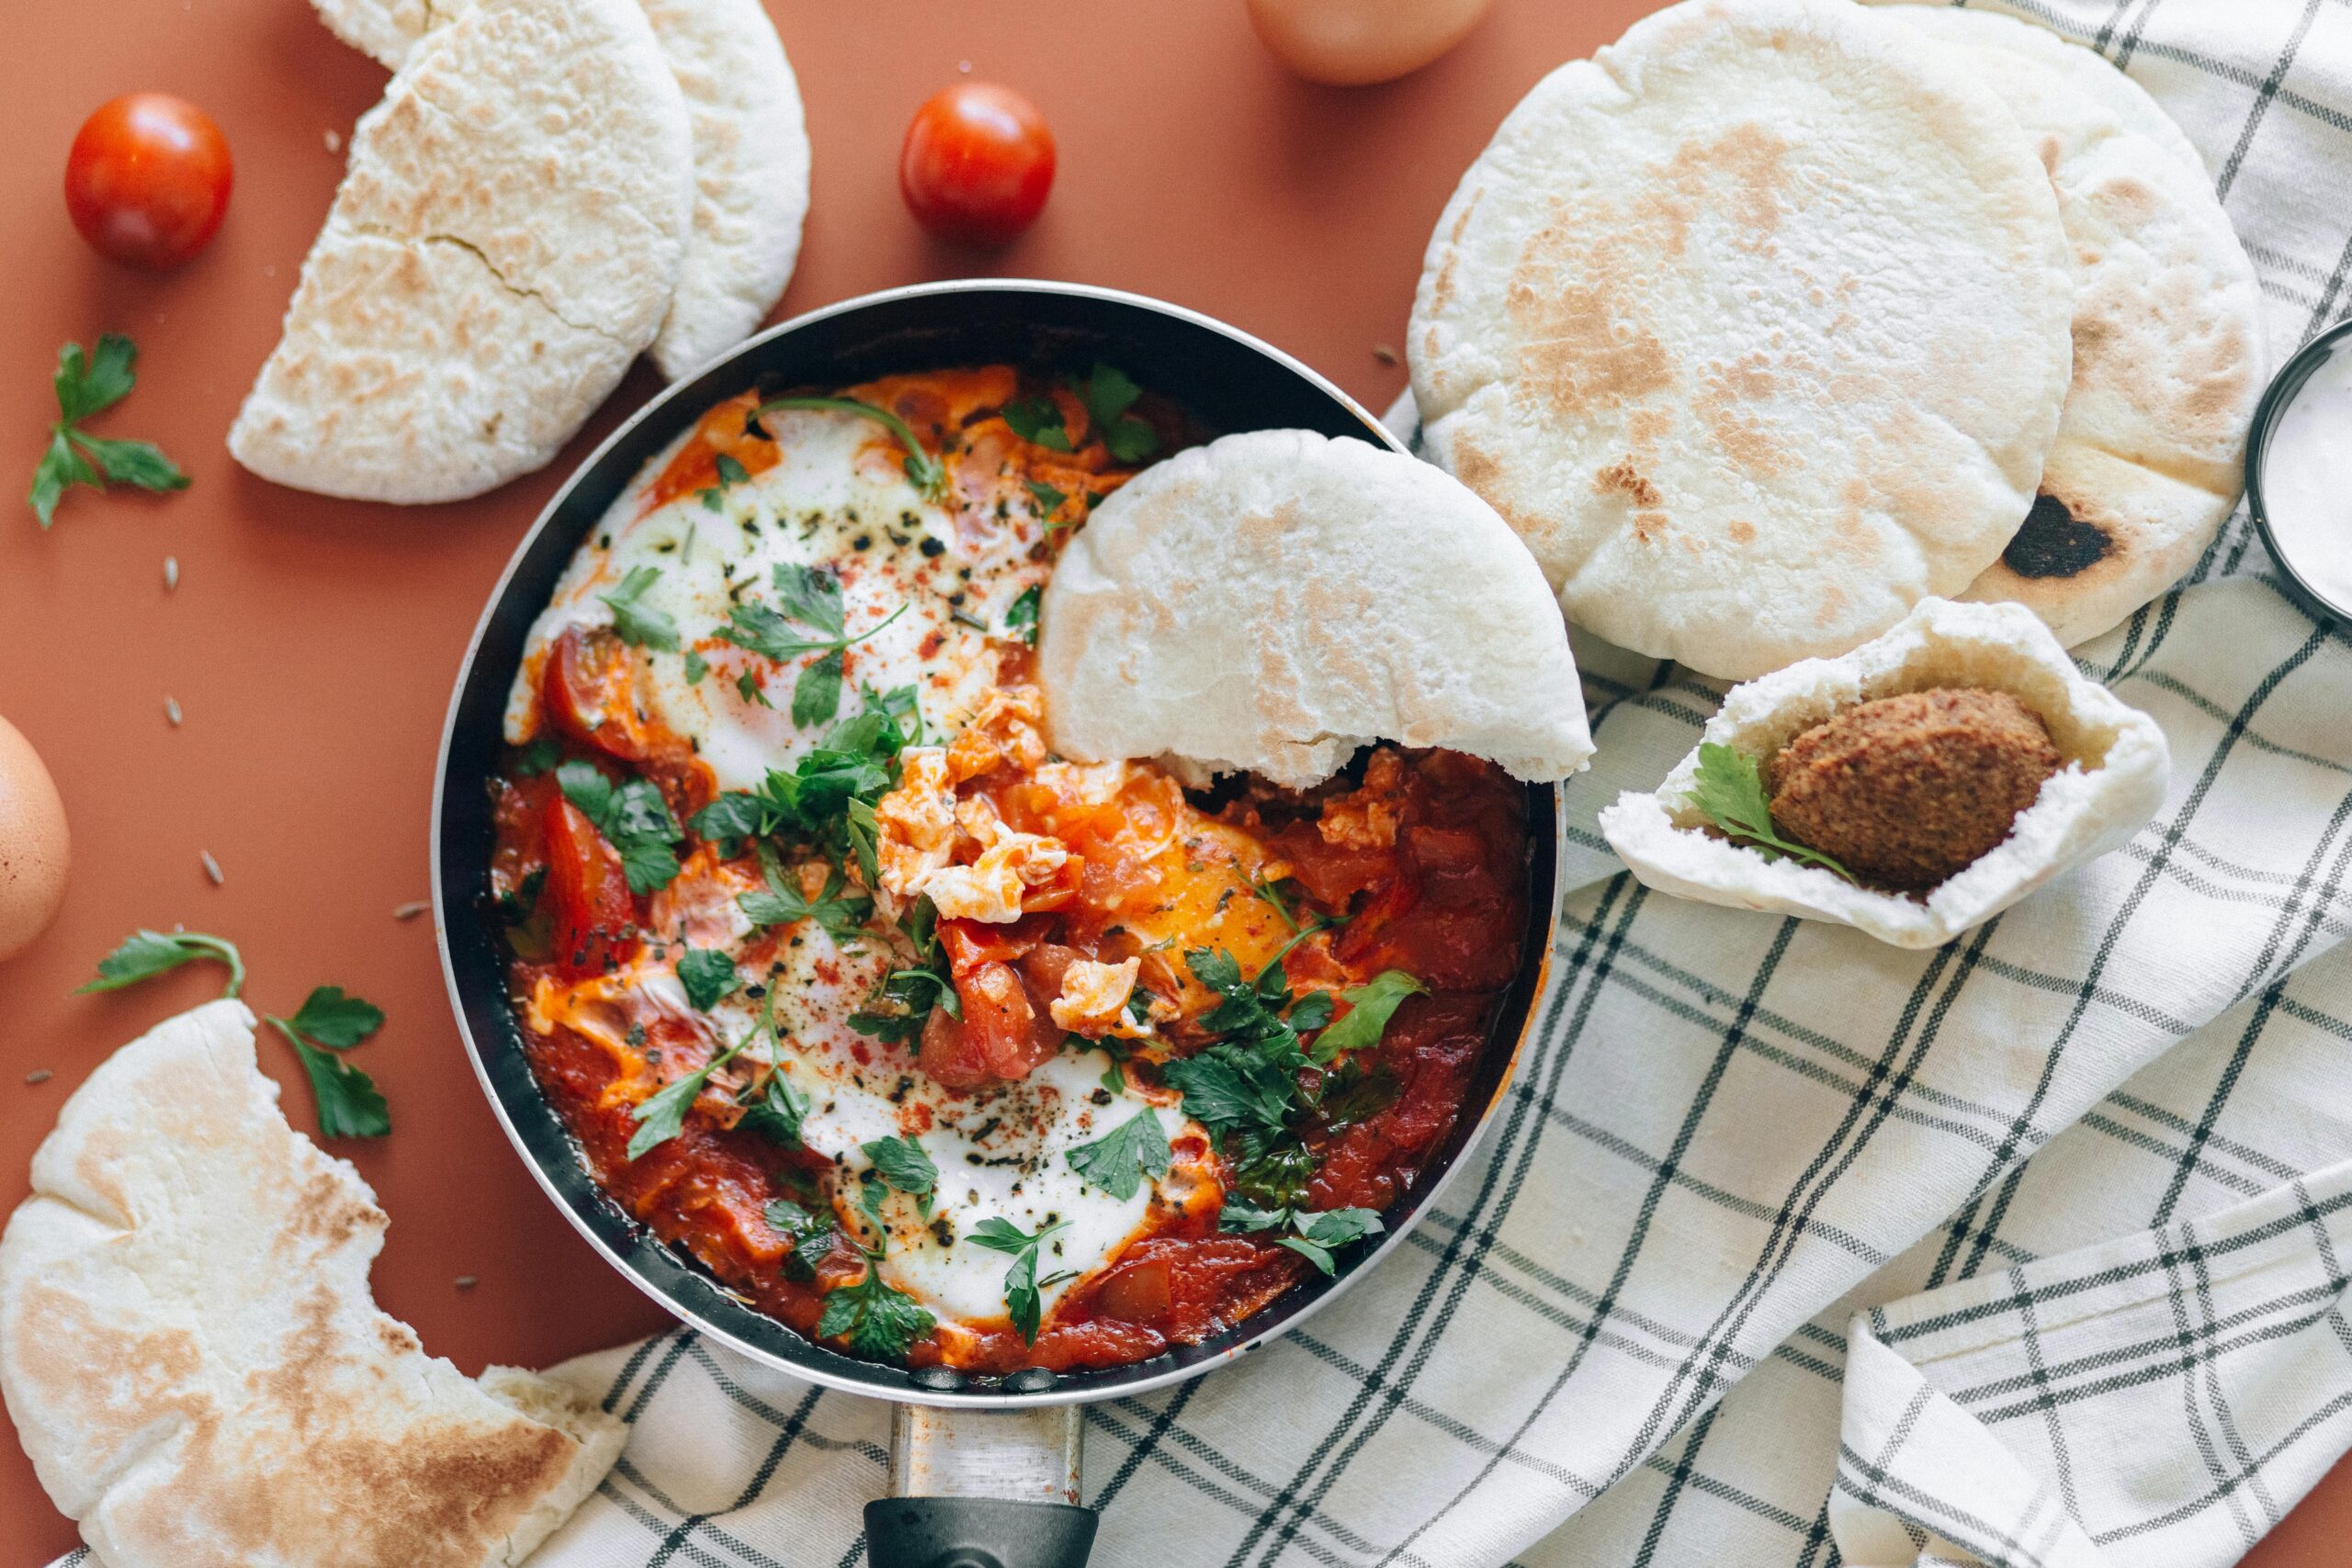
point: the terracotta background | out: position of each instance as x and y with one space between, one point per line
312 643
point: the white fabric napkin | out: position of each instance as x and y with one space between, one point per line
2026 1251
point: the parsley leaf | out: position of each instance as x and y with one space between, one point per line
632 817
1037 419
808 594
145 954
1131 440
1370 1005
696 667
817 695
1728 788
85 385
638 623
776 1112
879 1322
1021 620
806 1237
1022 1301
1107 393
539 757
1048 499
1119 1160
818 799
349 1104
1313 1236
783 903
901 1163
661 1116
927 473
812 598
708 976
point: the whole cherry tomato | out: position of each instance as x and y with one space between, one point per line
148 180
977 163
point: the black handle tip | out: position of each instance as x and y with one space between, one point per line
976 1532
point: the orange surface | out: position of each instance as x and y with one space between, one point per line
312 643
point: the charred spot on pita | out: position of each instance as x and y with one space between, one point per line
2054 542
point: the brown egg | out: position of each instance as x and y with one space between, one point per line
1349 43
33 845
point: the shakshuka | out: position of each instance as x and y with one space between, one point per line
935 1046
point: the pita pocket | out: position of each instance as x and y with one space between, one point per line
198 1371
2150 454
506 242
1275 599
751 152
2114 766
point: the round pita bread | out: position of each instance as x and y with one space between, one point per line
2168 359
750 149
1753 327
2113 781
504 244
1275 599
195 1365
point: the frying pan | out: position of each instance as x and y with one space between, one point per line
983 1472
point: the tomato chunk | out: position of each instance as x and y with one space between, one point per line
588 891
585 691
1003 1034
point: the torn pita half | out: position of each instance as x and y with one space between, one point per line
1273 600
198 1371
1753 327
751 150
504 244
2150 454
2116 764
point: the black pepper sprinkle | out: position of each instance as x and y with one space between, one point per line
932 548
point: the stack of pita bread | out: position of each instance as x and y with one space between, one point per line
549 188
1778 317
198 1371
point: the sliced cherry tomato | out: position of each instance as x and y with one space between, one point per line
977 163
971 943
585 690
147 182
587 890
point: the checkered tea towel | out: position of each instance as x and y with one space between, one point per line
1787 1247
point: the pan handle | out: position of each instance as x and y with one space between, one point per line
982 1489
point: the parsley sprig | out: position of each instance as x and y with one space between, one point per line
811 598
635 622
1020 618
914 991
878 1320
85 385
839 913
1107 395
827 799
661 1116
632 817
1119 1160
1730 790
1313 1236
329 1022
806 1237
1023 1302
928 474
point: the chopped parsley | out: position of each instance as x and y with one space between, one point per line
1119 1160
901 1163
661 1116
1048 498
776 1111
1108 394
1037 419
708 976
927 473
855 766
637 622
538 757
85 385
812 598
1022 1301
782 902
1021 620
1730 791
914 991
696 667
1313 1235
730 473
806 1237
632 817
877 1320
1370 1006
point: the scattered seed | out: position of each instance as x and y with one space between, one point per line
334 141
39 1074
1385 355
171 572
467 1281
211 867
171 710
411 909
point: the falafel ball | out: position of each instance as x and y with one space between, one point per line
1907 790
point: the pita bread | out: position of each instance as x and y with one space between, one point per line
2113 781
504 244
1273 600
198 1371
751 150
1754 327
2168 356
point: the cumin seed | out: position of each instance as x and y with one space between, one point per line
467 1281
171 572
172 711
411 909
39 1074
1383 352
211 867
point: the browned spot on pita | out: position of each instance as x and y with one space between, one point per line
1724 389
1833 604
1462 221
117 1383
1649 527
1621 478
2054 542
1584 343
1741 533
